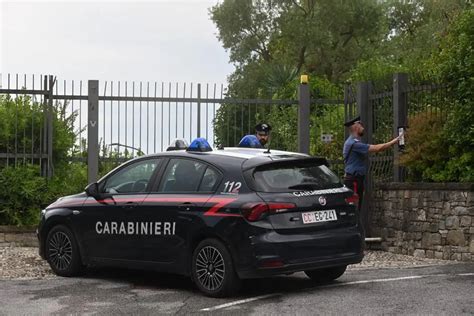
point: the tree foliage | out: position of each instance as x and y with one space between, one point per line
455 64
272 42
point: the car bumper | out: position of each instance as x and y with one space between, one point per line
276 253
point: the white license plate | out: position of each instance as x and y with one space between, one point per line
319 216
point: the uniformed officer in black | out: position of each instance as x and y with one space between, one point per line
260 139
355 153
263 133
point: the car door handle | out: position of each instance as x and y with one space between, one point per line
187 206
129 205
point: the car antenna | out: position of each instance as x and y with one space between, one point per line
268 149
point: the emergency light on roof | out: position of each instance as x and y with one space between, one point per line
199 144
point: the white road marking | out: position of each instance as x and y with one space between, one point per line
256 298
208 309
384 280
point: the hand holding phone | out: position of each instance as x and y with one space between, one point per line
401 138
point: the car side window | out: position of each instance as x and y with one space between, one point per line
132 179
209 181
182 175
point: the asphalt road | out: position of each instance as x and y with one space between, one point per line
444 289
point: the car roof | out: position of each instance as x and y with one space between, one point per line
249 156
235 157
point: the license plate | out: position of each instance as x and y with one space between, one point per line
319 216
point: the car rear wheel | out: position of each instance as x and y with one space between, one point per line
62 252
212 269
326 275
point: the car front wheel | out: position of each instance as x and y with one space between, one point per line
326 275
212 269
62 252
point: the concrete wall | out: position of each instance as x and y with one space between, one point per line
425 219
18 236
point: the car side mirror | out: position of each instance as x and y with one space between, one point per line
93 190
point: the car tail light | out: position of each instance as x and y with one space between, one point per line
256 211
353 199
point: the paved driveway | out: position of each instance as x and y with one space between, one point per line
443 289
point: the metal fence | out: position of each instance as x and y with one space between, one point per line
27 121
327 132
125 119
387 105
110 122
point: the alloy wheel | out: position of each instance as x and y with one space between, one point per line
210 268
60 250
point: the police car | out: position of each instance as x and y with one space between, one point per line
216 215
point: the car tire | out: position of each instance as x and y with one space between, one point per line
62 252
212 269
326 275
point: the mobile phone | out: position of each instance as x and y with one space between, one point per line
401 140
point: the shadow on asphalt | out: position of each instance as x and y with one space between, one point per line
141 279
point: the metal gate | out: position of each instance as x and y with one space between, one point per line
27 121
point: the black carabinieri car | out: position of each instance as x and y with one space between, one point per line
218 216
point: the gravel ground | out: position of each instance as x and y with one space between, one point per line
25 263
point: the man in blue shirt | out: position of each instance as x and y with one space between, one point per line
355 154
258 140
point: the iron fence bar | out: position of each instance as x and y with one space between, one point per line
207 111
103 115
198 110
184 110
8 136
148 118
111 117
235 123
162 120
22 91
93 131
72 113
81 149
42 130
169 99
425 87
191 114
156 120
126 112
312 102
133 119
24 126
52 82
380 95
176 112
32 156
214 112
169 114
118 121
33 120
140 120
304 97
16 122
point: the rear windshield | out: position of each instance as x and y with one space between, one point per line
295 176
